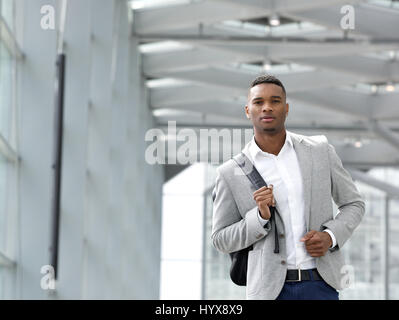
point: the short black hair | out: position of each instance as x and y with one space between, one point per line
267 79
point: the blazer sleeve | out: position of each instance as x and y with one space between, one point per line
230 231
351 206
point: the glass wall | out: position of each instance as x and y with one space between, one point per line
8 158
217 283
371 251
6 101
7 12
364 250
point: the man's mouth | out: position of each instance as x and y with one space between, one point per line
267 119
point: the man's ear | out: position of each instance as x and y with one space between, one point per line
287 110
247 112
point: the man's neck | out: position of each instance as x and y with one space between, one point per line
271 143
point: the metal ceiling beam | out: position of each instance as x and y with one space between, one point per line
213 107
377 152
237 79
6 261
7 151
192 93
362 66
391 190
384 132
211 11
351 103
224 30
300 113
188 59
359 105
385 106
8 39
205 39
289 5
370 20
193 14
222 54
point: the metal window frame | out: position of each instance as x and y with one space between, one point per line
7 37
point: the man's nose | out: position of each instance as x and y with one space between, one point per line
267 107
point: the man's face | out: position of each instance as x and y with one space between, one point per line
267 107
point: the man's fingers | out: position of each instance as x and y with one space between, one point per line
263 196
313 241
308 236
315 247
266 192
267 199
260 190
263 190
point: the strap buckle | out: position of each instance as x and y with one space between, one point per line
299 276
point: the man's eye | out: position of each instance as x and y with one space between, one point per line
276 101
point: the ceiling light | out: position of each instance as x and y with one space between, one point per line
358 144
374 88
267 66
274 20
136 5
390 87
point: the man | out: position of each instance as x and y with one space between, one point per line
303 175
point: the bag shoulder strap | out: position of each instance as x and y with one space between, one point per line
249 170
256 179
252 173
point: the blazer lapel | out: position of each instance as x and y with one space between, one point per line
304 155
246 166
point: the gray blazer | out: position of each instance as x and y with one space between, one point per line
235 223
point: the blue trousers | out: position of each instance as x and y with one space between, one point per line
308 290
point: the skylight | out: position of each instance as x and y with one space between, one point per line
163 46
151 4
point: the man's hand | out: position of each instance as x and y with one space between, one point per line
264 199
317 243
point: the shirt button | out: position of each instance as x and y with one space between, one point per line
281 236
283 262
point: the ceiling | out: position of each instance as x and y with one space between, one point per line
199 58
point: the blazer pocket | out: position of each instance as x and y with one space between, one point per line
254 272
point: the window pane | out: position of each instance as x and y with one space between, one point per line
5 90
7 11
3 193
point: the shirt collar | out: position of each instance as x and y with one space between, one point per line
254 149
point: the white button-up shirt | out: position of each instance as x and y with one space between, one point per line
283 172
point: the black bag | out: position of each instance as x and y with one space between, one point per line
239 259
